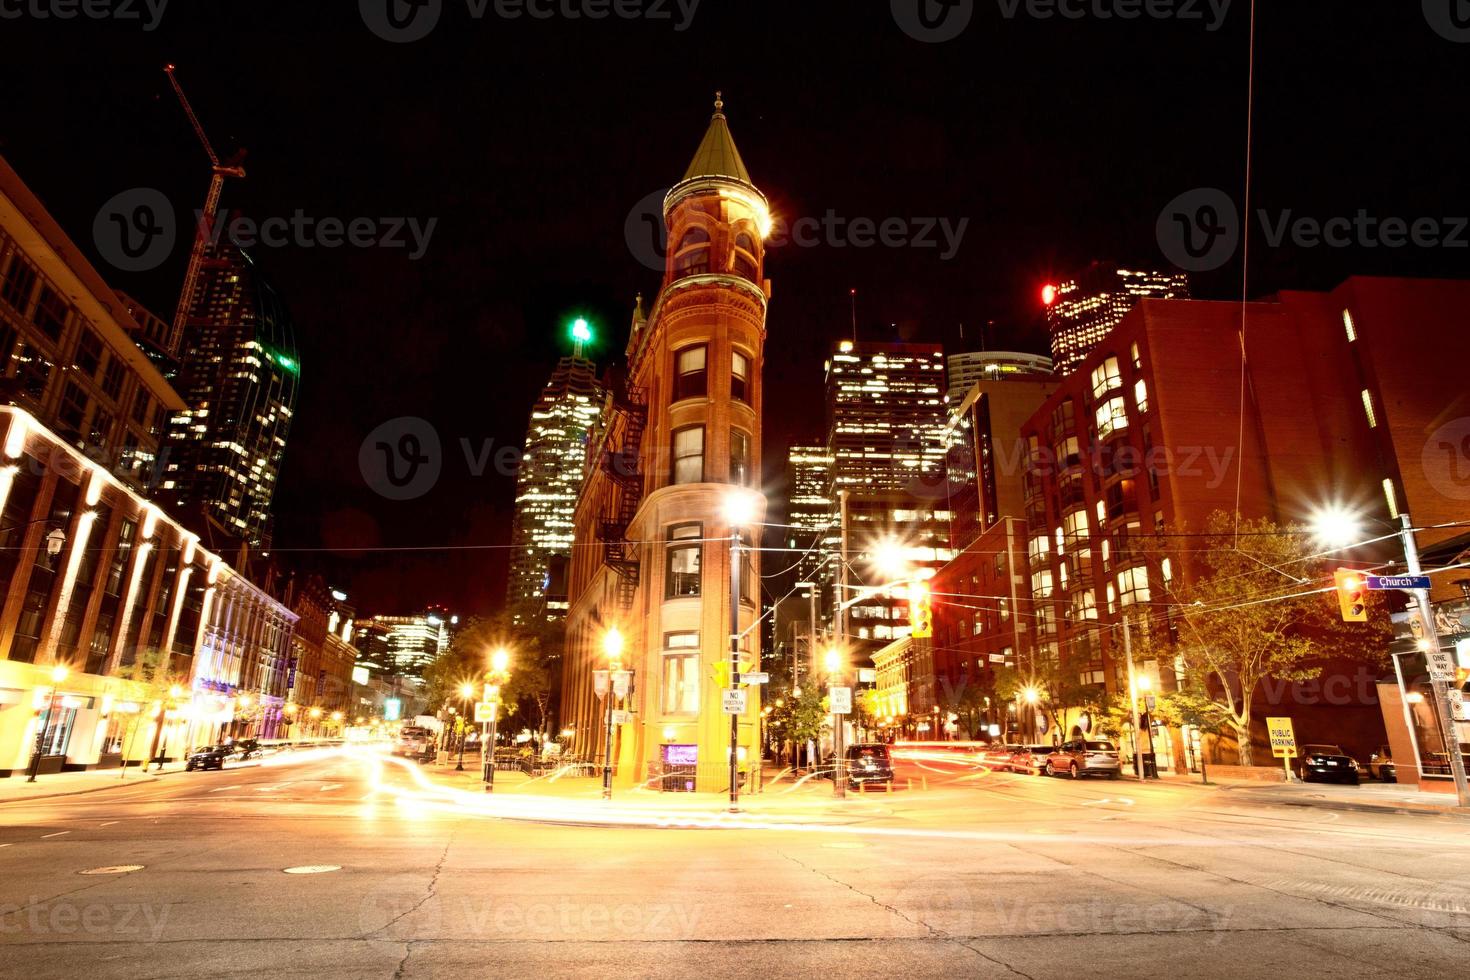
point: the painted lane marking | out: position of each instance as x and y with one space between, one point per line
107 824
59 833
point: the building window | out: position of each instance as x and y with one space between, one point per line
1368 409
112 378
681 575
690 377
739 458
1005 609
20 282
743 260
1133 585
89 354
51 313
1391 498
1106 377
739 377
1347 324
141 404
1140 395
1112 417
689 454
72 411
692 256
1137 360
101 428
681 674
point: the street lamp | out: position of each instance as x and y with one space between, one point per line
498 674
466 693
833 662
612 647
1145 684
58 674
740 510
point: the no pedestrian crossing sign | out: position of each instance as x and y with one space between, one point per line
1283 739
732 699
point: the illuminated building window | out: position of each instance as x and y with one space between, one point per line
689 454
1368 409
1140 395
1111 417
681 574
1391 498
1133 585
739 377
1347 324
1137 360
739 458
681 674
690 376
1106 377
692 256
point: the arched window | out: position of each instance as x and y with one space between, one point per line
744 261
692 256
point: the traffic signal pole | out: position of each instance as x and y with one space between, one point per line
1441 689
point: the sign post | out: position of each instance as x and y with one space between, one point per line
1283 742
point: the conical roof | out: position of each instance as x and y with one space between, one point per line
717 156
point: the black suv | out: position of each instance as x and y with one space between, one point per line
209 757
867 762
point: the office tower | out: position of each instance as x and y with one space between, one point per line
1082 309
968 367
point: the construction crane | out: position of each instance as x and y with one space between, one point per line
219 171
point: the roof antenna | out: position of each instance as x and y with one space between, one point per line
852 297
719 103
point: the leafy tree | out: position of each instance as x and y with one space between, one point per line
1248 617
969 702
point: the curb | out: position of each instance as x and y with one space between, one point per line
120 784
1412 809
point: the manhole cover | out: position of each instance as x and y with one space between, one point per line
112 869
312 869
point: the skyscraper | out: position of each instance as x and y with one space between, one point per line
1081 310
401 646
550 475
239 378
968 367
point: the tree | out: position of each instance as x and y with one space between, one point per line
1248 617
153 674
969 701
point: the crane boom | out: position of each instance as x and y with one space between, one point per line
218 173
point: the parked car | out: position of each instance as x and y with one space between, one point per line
1380 765
208 757
1084 757
998 755
1326 764
414 743
866 762
1031 759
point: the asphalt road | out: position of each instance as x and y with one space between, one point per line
988 875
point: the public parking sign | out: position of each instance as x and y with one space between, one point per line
1283 738
1406 583
732 699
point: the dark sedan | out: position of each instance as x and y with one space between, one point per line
209 757
1327 764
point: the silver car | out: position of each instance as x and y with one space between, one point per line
1084 757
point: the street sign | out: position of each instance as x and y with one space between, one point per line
867 675
841 698
1441 664
599 683
620 717
997 658
1457 703
1406 583
1283 738
755 678
732 700
484 712
1150 703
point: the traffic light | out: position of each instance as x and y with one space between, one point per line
722 674
921 616
1352 595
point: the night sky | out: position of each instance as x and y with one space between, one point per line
530 141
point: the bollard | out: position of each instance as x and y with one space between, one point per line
911 784
924 783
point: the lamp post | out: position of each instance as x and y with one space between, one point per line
739 510
498 674
58 674
1144 686
839 774
174 693
612 646
466 692
1032 697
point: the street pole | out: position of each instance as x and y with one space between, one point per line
487 753
1133 699
1441 689
41 735
839 772
734 664
607 748
490 765
463 730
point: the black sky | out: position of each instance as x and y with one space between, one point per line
530 141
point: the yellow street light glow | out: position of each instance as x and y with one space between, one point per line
1032 695
1145 682
58 673
499 660
316 712
888 558
612 644
336 716
243 700
762 212
175 691
1335 526
740 508
833 660
467 690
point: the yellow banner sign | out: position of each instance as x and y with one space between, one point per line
1283 739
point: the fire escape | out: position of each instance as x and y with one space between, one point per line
621 464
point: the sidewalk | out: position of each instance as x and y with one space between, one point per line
15 788
1367 798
